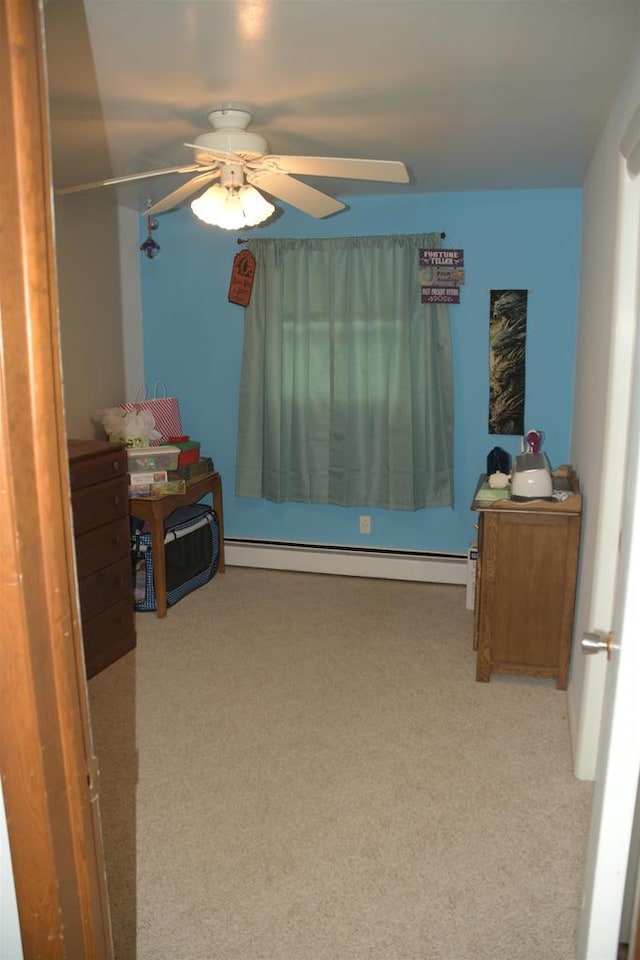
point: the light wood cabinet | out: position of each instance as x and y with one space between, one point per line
526 577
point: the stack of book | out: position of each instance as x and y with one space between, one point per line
192 470
155 484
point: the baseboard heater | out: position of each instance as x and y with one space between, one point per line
347 561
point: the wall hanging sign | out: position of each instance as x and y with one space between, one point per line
242 274
441 275
441 258
507 343
436 294
448 277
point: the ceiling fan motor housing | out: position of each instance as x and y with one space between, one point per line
230 136
246 145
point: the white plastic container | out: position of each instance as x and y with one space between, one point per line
531 477
151 459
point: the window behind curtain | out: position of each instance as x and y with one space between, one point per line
346 393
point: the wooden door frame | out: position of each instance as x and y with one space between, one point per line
49 787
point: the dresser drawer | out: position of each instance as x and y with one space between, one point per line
108 636
99 468
97 505
103 546
105 587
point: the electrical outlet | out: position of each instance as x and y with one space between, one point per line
365 524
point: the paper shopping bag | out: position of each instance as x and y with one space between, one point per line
165 410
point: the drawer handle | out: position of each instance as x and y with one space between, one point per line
116 501
116 465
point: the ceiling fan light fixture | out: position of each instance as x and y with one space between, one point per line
232 209
256 208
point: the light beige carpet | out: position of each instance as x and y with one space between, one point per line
321 778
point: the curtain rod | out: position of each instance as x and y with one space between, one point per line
443 236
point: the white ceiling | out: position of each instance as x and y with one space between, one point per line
470 94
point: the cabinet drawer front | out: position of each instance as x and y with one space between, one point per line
97 469
101 547
108 635
97 505
106 587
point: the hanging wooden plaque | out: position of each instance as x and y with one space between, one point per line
242 273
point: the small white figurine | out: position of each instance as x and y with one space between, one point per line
497 481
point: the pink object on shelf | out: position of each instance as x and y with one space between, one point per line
534 440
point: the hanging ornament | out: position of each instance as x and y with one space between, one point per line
150 248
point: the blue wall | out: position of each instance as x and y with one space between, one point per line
511 239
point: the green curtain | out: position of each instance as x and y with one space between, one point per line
346 393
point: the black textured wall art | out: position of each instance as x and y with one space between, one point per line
507 342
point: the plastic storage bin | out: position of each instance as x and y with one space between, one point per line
148 459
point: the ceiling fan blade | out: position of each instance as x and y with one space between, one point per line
298 194
186 190
388 171
131 177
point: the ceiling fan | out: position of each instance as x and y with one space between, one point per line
240 161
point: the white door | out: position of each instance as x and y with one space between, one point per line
619 750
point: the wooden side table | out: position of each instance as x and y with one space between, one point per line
155 509
526 578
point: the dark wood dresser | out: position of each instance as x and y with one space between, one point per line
100 504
